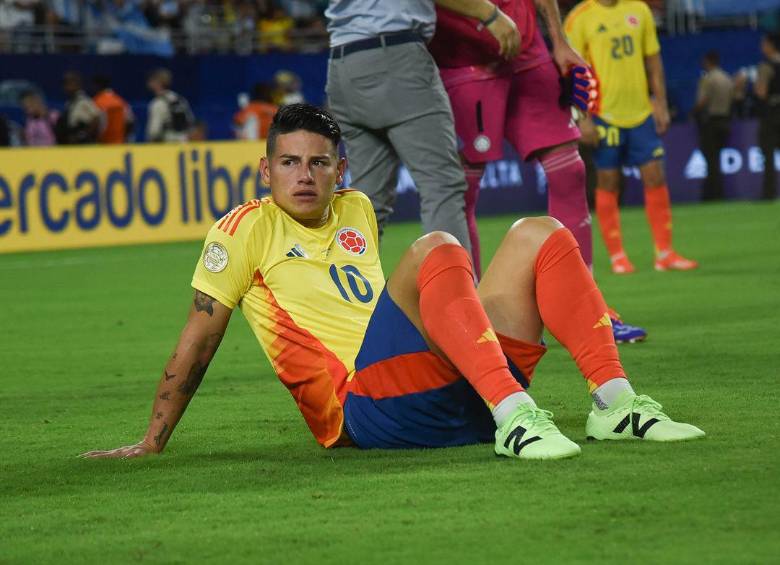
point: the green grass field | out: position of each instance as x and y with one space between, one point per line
86 333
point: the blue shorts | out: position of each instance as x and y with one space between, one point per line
404 396
632 147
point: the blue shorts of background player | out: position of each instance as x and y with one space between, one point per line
631 147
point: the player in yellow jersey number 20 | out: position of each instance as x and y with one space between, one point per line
428 361
618 39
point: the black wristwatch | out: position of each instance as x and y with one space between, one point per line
491 18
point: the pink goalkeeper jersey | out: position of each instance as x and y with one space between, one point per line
459 42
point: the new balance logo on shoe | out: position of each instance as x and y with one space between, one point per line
635 429
516 435
296 251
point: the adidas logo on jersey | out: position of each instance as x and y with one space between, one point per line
297 251
601 29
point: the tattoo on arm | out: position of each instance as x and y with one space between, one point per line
159 415
204 303
159 437
169 376
166 395
194 378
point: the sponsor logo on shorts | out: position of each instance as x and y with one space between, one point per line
482 143
352 241
215 257
632 20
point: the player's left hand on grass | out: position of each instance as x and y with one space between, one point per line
661 117
138 450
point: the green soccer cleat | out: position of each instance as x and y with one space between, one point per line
531 434
637 417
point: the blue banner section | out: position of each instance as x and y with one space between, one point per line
511 186
212 82
714 8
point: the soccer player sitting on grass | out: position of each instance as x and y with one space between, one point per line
426 360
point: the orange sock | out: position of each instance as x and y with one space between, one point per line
455 320
573 309
659 215
609 220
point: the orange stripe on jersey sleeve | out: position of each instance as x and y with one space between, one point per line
315 377
227 217
577 11
232 225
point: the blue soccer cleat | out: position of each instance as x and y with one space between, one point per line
625 333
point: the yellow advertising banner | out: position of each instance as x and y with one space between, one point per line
66 197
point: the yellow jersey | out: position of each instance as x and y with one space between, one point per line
307 293
615 41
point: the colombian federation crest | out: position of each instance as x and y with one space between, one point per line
351 240
215 257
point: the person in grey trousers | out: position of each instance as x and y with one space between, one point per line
384 89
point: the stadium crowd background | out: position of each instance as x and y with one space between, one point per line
186 35
234 61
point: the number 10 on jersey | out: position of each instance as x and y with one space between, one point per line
352 276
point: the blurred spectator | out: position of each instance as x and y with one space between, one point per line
41 123
244 27
64 13
119 119
16 19
5 132
165 13
274 28
713 111
768 92
65 16
81 120
254 120
199 131
170 116
288 88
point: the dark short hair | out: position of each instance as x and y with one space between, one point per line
774 39
294 117
101 81
74 76
30 93
712 57
162 75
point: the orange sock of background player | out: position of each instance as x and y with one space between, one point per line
573 309
455 320
659 215
609 220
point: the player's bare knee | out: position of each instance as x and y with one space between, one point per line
531 233
427 243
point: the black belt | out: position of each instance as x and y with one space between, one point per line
375 42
